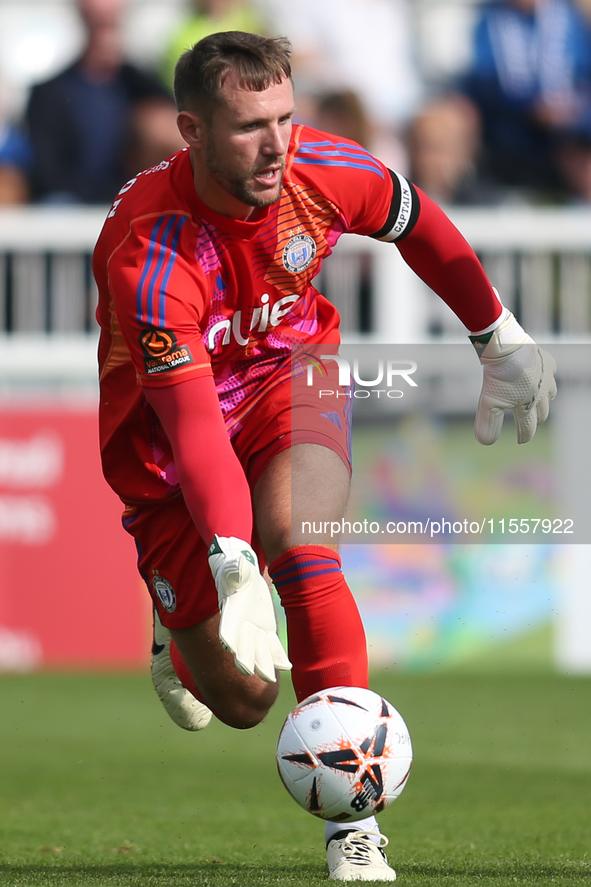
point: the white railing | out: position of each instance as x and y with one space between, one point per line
539 259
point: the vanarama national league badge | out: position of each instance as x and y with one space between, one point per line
161 351
299 253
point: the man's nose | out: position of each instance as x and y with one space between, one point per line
276 141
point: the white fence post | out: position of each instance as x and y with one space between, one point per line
572 639
401 299
572 444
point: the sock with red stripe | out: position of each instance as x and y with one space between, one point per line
325 634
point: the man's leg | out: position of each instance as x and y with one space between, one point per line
326 638
304 483
303 488
239 700
172 559
300 491
183 707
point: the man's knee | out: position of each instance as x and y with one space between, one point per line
301 489
245 708
239 700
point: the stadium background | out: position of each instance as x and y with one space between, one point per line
483 648
66 566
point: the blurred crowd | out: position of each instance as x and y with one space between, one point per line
513 125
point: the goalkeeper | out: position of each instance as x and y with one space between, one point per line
204 268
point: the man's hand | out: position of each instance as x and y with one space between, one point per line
248 628
518 376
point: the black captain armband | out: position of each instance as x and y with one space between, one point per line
404 211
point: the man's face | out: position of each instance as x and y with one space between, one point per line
246 142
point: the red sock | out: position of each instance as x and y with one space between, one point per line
183 673
325 634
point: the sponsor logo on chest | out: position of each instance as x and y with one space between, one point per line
264 317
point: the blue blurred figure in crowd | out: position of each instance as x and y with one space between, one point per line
80 121
15 162
530 78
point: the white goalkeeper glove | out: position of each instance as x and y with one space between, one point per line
518 375
248 627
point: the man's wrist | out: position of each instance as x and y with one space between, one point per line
502 341
487 331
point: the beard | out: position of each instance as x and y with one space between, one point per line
239 185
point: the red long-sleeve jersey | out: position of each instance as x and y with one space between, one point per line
185 293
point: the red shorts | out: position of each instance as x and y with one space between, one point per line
172 557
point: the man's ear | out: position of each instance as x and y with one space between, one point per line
191 127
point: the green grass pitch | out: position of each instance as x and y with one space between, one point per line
98 787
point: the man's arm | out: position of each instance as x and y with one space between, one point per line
518 375
217 495
440 255
214 486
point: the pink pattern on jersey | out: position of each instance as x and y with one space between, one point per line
307 327
206 253
217 316
338 226
307 320
245 379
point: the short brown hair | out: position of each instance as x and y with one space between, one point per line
201 71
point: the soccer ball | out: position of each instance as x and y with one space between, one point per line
344 754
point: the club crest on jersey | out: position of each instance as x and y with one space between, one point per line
165 592
299 253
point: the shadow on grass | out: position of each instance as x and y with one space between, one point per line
215 873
